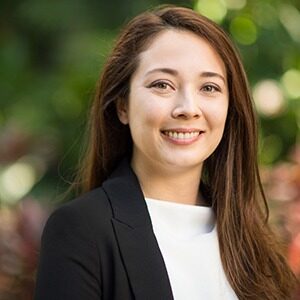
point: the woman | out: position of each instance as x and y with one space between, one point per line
172 202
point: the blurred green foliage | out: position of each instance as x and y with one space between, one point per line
52 52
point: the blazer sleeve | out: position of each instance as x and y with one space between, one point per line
69 263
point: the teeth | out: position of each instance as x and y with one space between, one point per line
181 135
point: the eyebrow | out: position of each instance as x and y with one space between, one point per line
212 74
205 74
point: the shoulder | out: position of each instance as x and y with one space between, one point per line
92 204
89 213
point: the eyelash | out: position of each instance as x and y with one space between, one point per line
213 87
158 84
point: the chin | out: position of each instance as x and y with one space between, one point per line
185 162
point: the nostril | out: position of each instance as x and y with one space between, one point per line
184 112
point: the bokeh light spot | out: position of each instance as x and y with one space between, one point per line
263 19
213 9
16 181
235 4
268 97
290 19
272 146
291 82
243 30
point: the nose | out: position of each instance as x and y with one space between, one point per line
187 107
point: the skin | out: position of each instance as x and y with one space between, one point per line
180 85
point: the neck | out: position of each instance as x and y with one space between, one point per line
181 186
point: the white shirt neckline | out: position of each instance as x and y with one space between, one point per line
182 221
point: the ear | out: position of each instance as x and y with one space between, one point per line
122 110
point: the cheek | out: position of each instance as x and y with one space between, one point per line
154 115
147 113
222 118
216 116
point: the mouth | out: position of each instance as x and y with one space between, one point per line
184 135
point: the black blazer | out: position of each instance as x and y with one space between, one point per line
102 246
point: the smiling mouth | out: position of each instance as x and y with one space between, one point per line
182 135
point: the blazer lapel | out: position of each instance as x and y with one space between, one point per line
139 248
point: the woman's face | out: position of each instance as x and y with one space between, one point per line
178 102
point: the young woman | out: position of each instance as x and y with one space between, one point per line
172 205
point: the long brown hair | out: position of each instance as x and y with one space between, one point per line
252 260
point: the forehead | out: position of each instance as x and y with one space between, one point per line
180 49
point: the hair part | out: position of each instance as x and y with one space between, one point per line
252 261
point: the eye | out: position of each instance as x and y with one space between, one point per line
161 86
210 88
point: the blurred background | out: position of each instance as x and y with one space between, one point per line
51 55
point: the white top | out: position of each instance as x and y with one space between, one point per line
187 238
